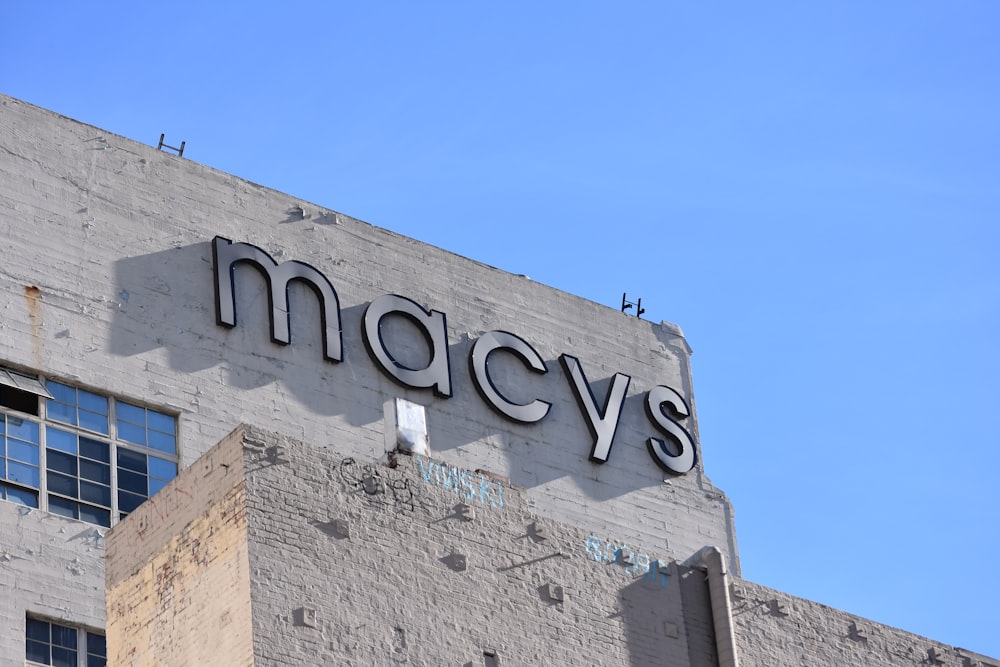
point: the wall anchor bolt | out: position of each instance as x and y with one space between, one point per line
933 658
536 532
856 635
554 592
458 562
304 617
774 609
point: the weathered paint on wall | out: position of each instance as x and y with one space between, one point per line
774 629
362 564
345 573
178 589
108 279
51 568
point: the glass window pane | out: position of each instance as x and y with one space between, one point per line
61 462
22 496
93 402
96 515
23 451
22 473
156 484
63 657
63 507
95 449
61 392
35 629
37 652
131 481
61 440
93 422
162 469
95 472
127 502
162 441
131 413
97 650
132 433
97 644
62 484
61 412
131 460
161 422
97 494
22 429
63 636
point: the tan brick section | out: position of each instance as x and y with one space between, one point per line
179 586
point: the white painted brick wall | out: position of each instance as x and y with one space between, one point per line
778 630
116 238
51 568
399 571
107 281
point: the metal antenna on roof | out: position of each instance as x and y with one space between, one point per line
161 146
639 310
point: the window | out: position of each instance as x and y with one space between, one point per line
20 391
79 453
48 643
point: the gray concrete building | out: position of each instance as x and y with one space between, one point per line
239 428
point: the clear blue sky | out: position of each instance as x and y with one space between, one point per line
810 189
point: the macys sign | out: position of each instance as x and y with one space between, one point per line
665 407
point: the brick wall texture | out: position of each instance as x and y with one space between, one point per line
366 563
505 544
51 568
417 562
778 630
178 585
108 284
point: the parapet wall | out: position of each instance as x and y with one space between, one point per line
290 554
424 563
778 630
178 581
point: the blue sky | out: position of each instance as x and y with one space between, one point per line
810 189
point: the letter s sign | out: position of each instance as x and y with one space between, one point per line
657 399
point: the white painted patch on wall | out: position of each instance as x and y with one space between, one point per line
411 427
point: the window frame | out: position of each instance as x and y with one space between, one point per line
83 649
113 441
23 382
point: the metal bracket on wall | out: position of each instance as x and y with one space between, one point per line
161 146
639 310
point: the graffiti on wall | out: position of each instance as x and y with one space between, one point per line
468 485
377 484
636 563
